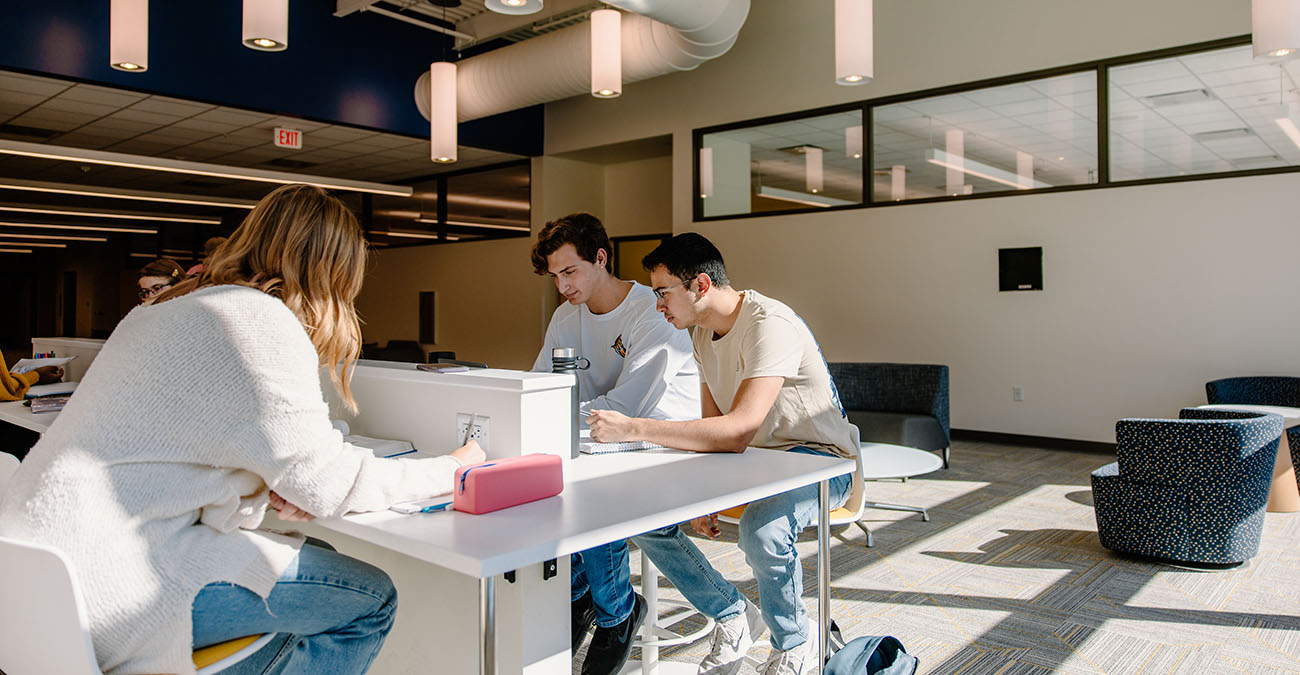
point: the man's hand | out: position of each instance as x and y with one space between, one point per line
707 526
469 453
49 374
287 511
611 426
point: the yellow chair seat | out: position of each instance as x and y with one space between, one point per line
209 655
836 515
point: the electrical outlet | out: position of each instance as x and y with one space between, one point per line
482 424
1017 393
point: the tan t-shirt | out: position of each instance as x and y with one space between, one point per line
769 339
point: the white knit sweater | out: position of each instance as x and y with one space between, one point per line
155 476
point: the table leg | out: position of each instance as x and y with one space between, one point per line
649 589
487 626
1283 495
823 572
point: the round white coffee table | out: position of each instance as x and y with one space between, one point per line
883 460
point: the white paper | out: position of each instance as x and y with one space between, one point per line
51 389
27 365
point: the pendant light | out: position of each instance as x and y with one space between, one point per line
853 42
606 53
266 25
706 173
514 6
1275 28
128 35
442 112
813 177
853 141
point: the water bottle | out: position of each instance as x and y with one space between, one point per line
566 360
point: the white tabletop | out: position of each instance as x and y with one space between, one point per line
1290 416
15 412
605 498
883 460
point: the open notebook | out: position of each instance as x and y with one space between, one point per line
594 448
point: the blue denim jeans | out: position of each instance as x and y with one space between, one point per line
604 571
332 613
769 529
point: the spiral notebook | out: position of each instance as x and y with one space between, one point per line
596 448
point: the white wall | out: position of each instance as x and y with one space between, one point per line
1149 291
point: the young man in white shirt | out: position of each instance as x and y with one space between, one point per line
640 366
763 383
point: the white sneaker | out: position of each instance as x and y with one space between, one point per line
731 639
787 662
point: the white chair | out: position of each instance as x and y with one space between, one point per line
43 627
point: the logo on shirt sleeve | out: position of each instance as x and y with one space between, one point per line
619 347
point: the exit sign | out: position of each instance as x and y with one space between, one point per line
288 138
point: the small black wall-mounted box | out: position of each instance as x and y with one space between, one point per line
1020 269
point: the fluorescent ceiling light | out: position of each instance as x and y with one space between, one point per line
1287 124
117 215
1222 135
40 244
979 169
70 154
412 235
801 197
1179 98
61 237
92 228
155 255
15 250
465 223
119 193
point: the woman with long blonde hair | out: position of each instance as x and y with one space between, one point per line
200 411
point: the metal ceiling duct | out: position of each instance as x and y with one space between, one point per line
659 37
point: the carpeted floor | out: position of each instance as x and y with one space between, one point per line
1008 577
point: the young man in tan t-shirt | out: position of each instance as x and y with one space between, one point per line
763 383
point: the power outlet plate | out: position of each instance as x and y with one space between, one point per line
482 425
1017 393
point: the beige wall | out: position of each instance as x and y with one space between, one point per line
1149 291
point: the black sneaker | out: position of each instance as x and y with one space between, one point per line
611 646
582 613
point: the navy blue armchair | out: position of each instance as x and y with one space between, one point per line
897 403
1262 390
1293 437
1191 490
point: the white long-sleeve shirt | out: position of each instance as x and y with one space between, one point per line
156 474
640 365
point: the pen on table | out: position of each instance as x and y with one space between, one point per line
436 507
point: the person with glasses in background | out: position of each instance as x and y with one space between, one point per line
640 366
158 276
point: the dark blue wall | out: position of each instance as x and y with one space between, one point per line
358 70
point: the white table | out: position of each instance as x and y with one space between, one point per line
14 412
606 498
1283 495
884 460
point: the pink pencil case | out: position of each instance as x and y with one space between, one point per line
502 483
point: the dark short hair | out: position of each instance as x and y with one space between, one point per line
163 267
686 256
583 230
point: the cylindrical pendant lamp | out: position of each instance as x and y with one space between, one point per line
853 42
606 53
1275 28
706 173
514 6
128 35
266 25
853 141
812 167
442 112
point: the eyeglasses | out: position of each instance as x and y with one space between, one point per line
146 293
659 292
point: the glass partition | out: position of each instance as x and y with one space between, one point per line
1024 136
799 164
1207 112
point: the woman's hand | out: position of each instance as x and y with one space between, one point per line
469 453
49 374
611 426
287 511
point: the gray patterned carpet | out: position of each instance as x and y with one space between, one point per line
1008 577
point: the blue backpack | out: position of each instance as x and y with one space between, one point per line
872 655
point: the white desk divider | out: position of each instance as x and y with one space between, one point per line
85 349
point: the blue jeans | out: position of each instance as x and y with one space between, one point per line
604 571
332 613
769 529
